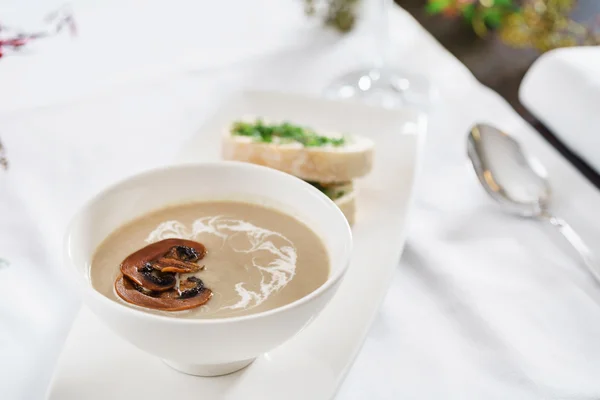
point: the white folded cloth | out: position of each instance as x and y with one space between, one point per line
562 89
483 305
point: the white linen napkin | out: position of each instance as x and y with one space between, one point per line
483 305
562 89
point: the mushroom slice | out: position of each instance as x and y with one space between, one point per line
137 266
166 301
187 253
165 264
190 287
155 280
149 278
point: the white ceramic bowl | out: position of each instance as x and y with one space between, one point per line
213 346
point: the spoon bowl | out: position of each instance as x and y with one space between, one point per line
519 183
507 174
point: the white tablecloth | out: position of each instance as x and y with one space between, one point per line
483 305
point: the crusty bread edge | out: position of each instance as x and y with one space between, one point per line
318 165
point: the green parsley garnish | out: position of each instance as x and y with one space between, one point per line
284 133
332 191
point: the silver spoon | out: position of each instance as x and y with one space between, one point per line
519 183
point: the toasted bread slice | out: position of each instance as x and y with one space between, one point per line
327 162
343 195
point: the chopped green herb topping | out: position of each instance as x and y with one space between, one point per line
333 191
284 133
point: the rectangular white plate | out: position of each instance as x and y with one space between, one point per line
97 364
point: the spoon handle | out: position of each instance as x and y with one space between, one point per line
575 240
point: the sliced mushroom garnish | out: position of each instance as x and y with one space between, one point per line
149 276
138 265
157 281
165 264
170 300
191 287
186 253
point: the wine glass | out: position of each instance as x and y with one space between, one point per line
380 83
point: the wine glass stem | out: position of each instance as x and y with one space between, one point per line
382 32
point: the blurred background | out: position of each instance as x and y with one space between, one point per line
91 42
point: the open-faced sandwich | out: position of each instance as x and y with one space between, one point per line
328 161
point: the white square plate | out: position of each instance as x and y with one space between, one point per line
97 364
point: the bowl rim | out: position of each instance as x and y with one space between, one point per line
89 290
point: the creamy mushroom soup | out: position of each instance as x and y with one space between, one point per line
210 260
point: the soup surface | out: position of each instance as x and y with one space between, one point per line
256 258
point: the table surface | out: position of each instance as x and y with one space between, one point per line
498 66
